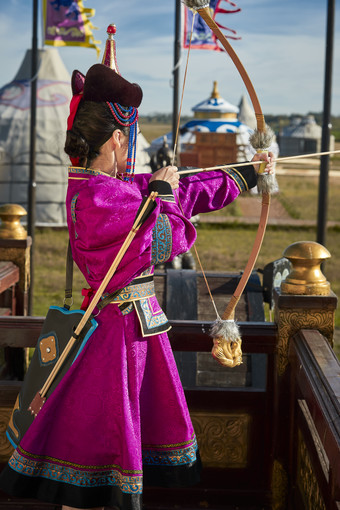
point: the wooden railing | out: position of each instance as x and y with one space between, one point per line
315 423
240 423
234 423
9 277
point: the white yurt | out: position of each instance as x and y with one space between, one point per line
302 136
53 97
216 115
246 113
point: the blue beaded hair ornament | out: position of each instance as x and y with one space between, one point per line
127 117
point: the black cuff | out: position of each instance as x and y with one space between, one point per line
162 187
244 177
249 174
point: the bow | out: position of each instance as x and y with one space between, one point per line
225 332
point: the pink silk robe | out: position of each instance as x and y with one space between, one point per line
119 415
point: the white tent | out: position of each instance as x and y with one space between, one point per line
53 97
246 113
302 135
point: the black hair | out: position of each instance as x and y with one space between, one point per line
93 125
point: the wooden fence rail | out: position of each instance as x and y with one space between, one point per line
315 423
238 419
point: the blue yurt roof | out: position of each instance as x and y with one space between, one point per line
215 104
214 125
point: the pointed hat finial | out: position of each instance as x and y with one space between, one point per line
109 57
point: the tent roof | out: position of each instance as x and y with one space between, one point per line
246 113
53 98
215 104
305 127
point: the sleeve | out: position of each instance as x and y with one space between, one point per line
210 191
205 191
100 218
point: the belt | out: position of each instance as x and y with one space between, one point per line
140 288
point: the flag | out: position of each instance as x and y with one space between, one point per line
67 23
202 36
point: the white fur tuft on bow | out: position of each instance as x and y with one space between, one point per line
196 4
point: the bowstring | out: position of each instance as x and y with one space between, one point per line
173 159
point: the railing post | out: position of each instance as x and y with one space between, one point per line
304 301
15 246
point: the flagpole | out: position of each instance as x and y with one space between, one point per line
326 128
176 69
32 162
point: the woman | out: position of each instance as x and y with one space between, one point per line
118 418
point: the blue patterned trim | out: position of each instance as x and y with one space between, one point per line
174 457
237 178
128 309
135 292
81 476
73 212
152 321
161 240
149 271
81 172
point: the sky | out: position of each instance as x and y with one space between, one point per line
282 47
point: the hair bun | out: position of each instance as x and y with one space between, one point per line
76 146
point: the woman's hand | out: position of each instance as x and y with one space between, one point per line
168 174
269 158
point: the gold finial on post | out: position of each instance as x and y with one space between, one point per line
11 227
306 277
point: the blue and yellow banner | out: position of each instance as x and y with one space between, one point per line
67 23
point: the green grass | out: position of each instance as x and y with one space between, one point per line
227 249
299 196
151 131
49 273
